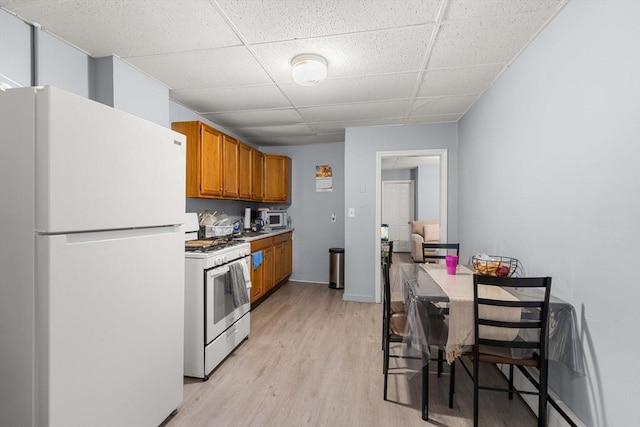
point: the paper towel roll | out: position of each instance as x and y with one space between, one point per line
247 218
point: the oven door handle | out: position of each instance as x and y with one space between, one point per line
218 271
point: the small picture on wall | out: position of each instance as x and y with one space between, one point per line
324 178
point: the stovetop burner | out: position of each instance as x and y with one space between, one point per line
210 245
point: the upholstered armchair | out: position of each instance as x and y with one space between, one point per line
423 232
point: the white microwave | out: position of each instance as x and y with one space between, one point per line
277 219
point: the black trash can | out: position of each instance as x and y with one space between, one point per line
336 268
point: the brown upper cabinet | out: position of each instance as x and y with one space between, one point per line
230 181
245 174
204 159
221 167
257 175
277 176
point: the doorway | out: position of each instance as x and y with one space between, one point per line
441 155
398 198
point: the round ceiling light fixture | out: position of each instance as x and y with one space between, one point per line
308 69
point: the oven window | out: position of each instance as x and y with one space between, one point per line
222 299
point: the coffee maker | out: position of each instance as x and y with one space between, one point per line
263 216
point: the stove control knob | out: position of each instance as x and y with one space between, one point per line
224 259
218 261
246 252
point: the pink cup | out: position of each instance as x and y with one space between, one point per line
452 263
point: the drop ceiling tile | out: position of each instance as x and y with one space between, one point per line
336 127
353 89
285 140
390 51
232 98
373 110
285 116
264 21
473 9
327 127
442 105
462 43
435 118
331 137
130 28
233 66
271 131
458 81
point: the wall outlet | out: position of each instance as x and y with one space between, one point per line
352 212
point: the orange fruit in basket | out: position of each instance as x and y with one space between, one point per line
486 267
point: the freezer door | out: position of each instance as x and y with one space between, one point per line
109 328
98 168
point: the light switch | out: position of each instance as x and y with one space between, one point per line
352 212
333 217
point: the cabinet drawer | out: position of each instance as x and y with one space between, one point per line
281 238
258 245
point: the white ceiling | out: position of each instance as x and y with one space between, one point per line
391 62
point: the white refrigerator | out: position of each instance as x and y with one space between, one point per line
91 263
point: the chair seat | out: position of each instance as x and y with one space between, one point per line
490 354
397 308
396 328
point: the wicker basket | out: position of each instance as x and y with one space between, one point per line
494 265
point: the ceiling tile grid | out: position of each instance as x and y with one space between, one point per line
230 60
235 98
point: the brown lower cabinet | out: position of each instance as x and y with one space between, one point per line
276 264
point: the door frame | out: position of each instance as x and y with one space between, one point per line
442 154
412 201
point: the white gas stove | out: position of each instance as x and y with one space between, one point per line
216 320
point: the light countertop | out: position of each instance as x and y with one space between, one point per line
252 236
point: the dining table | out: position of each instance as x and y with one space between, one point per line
428 289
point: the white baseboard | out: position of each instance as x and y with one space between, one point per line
520 382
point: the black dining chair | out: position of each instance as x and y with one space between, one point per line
511 330
390 308
395 332
431 251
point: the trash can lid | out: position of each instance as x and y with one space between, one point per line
336 250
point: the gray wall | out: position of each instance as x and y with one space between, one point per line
361 231
428 192
557 139
311 211
396 175
15 51
121 86
61 65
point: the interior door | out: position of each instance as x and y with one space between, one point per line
397 212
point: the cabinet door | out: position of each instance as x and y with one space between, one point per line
257 281
257 171
276 177
230 167
210 161
288 257
244 171
268 268
279 262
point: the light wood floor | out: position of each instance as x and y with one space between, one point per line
313 359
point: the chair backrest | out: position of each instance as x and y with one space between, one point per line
430 251
386 285
512 313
